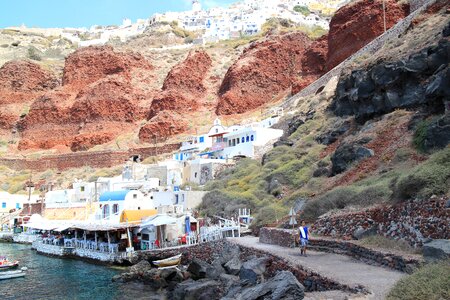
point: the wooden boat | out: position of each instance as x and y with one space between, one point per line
168 262
11 274
6 264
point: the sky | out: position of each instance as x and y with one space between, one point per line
84 13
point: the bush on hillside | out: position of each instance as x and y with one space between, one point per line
304 10
431 282
432 177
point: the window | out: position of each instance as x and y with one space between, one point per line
134 196
217 130
3 204
247 138
18 205
243 140
202 139
252 138
115 209
195 175
145 237
176 199
82 188
237 141
229 143
105 211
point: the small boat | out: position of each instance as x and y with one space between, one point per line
6 264
11 274
168 262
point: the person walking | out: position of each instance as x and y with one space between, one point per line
304 236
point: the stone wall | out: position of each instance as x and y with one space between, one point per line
416 7
283 237
412 221
95 159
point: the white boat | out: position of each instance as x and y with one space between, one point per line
11 274
168 262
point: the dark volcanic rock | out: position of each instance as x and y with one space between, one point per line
284 286
346 154
437 134
331 136
201 269
319 172
203 289
253 269
436 250
233 266
422 79
362 232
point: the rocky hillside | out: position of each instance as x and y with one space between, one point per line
378 134
138 92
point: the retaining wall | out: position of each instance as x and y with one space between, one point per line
412 221
95 159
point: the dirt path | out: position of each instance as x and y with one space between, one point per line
341 268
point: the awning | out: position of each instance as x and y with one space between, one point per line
159 220
63 227
137 216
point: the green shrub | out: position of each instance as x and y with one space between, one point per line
431 282
34 54
304 10
430 177
420 135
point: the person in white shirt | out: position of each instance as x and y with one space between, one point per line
304 238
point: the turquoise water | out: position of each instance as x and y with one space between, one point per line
56 278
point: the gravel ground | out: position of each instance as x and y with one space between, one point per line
340 268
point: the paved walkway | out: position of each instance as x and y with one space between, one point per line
341 268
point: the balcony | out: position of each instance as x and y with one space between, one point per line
218 146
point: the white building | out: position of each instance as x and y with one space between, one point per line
10 202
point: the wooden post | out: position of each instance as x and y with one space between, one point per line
95 241
129 237
109 241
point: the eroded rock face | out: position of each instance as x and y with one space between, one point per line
353 26
26 76
161 126
20 82
100 99
90 64
346 154
263 72
184 87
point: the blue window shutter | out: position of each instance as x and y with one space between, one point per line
4 205
252 138
247 138
243 139
202 139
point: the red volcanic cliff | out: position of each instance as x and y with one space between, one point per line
20 83
264 71
313 64
353 26
90 64
101 98
162 126
184 87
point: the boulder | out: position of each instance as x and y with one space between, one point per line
437 134
201 269
362 232
233 266
203 289
284 286
346 154
331 136
283 142
253 269
436 250
141 266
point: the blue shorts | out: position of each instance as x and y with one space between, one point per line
303 242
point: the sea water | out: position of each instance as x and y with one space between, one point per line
59 278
